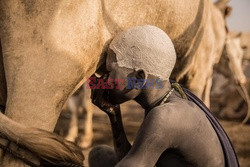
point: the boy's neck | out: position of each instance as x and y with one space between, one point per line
148 98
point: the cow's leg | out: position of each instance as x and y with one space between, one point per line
197 84
206 94
202 67
73 126
86 139
102 156
201 86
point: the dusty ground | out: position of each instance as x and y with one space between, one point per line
132 117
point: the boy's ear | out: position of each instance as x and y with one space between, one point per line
141 76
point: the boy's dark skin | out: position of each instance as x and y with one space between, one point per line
176 133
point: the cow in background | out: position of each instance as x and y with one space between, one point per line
80 103
229 74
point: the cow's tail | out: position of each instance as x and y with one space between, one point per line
47 146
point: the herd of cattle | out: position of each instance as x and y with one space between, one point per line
50 48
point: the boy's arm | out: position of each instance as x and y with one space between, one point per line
121 143
161 129
149 144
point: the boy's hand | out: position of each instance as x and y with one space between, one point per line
98 98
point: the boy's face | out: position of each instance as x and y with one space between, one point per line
120 93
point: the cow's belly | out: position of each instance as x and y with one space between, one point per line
174 17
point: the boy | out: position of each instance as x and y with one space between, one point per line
175 131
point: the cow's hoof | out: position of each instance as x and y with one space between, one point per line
86 142
70 138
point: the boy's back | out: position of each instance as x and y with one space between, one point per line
175 134
192 138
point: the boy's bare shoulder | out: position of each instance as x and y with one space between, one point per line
179 104
180 110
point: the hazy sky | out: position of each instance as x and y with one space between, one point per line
240 18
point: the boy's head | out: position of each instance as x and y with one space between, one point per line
141 52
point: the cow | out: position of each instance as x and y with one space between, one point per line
50 47
232 58
229 75
78 103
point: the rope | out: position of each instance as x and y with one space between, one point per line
179 89
176 87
